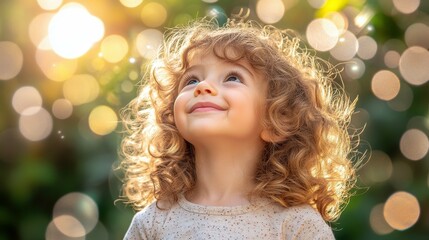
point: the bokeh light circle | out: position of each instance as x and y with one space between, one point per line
385 85
346 48
73 31
414 144
355 68
413 65
27 99
62 108
69 226
270 11
153 14
49 4
367 47
102 120
403 100
406 6
79 206
131 3
114 48
322 34
11 60
38 30
391 59
53 233
401 210
377 221
339 19
54 67
148 41
35 125
417 34
80 89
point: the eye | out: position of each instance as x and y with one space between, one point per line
233 78
191 81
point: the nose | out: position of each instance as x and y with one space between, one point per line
204 88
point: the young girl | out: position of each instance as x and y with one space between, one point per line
237 133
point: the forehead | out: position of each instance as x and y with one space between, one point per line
227 55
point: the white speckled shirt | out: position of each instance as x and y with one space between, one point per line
262 219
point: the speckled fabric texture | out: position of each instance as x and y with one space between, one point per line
261 219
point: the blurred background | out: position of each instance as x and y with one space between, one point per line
68 67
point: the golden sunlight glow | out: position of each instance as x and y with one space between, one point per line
385 85
401 210
413 65
414 144
322 34
153 14
11 60
148 42
102 120
81 89
35 125
406 6
55 67
131 3
270 11
114 48
377 221
73 31
49 4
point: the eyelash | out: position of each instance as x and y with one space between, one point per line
235 74
187 79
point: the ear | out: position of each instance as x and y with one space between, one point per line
269 136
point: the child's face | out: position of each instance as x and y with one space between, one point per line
219 100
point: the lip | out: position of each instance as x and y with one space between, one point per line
205 107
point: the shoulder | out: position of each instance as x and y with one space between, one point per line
304 222
145 221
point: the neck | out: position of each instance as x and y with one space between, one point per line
225 172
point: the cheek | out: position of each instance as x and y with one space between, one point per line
179 112
247 108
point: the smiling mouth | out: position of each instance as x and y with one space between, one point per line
206 107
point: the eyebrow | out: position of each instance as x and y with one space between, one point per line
236 64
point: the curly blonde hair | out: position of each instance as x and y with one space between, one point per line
307 162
